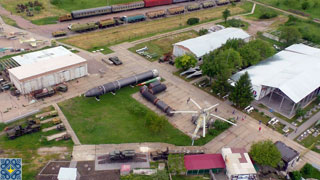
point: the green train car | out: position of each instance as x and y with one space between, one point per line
134 18
83 27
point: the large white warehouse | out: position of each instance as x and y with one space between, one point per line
202 45
287 80
46 68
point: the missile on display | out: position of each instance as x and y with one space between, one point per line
149 81
113 86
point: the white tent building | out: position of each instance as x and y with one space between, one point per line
45 68
202 45
287 80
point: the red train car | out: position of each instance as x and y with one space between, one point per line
152 3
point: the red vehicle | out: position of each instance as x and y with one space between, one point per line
151 3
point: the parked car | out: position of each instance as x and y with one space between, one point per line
115 60
62 88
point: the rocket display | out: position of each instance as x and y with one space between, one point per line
113 86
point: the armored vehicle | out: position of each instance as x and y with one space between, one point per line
121 155
49 91
56 120
59 33
62 88
17 131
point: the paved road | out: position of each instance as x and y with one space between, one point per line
303 127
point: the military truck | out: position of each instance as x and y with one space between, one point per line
121 155
45 92
59 33
17 131
56 120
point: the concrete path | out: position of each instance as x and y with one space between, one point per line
55 136
303 127
67 125
51 128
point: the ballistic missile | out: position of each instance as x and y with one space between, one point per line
113 86
149 81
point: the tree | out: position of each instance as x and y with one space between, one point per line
242 94
264 48
265 153
296 175
221 85
225 14
305 5
208 66
290 35
37 8
203 31
192 21
234 43
230 57
186 61
249 55
300 112
160 175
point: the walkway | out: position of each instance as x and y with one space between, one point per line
67 125
303 127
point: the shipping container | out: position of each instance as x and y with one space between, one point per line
152 3
127 6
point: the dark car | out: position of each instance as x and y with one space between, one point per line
115 60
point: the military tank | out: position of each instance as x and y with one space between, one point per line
121 155
18 131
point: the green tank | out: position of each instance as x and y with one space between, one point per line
120 155
83 27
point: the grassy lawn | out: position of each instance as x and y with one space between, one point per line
48 11
164 45
313 10
70 5
9 21
259 10
189 177
245 24
309 30
136 31
46 20
111 121
26 147
314 173
311 142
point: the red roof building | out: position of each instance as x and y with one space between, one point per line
203 163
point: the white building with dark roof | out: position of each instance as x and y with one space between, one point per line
45 68
202 45
287 80
288 155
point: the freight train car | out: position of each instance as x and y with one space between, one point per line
208 4
109 22
152 3
222 2
176 10
180 1
134 18
156 14
83 27
193 7
91 12
127 6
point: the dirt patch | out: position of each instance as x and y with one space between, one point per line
264 25
54 167
52 150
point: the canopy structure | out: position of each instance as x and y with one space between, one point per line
204 44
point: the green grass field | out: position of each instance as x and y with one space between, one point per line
111 121
314 173
259 10
26 147
313 10
9 21
164 45
46 20
70 5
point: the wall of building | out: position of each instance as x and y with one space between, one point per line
179 50
50 79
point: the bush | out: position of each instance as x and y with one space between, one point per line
192 21
55 2
296 175
268 15
235 23
221 125
155 123
305 5
203 31
137 110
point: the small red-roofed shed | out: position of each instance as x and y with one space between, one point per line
203 163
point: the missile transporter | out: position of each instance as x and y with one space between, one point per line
83 27
122 155
17 131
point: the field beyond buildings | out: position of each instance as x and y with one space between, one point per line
111 36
